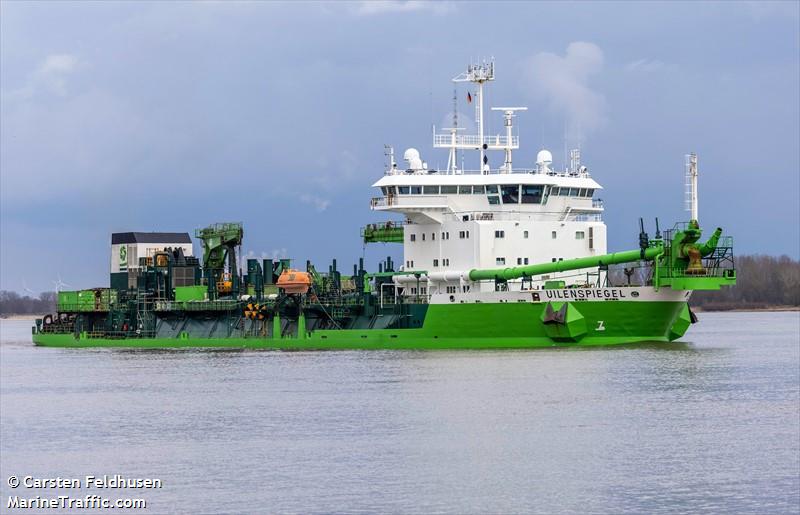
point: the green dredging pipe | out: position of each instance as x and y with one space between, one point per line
516 272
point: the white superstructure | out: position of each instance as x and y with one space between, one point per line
457 220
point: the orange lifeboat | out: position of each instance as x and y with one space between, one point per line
294 281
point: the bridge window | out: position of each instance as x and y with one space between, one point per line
491 189
493 200
465 190
573 192
531 194
416 190
510 194
479 190
430 190
579 235
403 190
582 192
449 190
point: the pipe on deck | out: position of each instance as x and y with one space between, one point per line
709 246
516 272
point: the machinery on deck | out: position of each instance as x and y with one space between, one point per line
494 257
219 245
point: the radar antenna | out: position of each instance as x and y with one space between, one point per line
508 120
690 196
478 73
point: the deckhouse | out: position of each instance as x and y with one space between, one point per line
457 219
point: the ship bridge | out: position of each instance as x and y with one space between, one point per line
457 219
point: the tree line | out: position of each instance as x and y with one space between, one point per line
12 303
762 282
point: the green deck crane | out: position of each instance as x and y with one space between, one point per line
219 245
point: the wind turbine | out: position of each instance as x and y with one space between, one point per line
26 289
59 283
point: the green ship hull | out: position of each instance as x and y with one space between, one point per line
453 326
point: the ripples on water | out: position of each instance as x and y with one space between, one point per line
709 425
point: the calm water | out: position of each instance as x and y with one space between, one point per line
712 425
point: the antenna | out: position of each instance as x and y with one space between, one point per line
508 117
388 151
690 192
574 161
478 73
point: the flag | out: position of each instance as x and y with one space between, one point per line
469 97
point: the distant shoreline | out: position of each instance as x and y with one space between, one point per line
21 317
700 309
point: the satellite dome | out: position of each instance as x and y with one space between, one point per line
411 156
411 153
544 157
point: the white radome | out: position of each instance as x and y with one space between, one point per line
411 156
544 157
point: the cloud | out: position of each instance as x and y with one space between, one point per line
58 63
645 65
274 254
320 204
562 83
50 75
377 7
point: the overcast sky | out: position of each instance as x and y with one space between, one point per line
170 116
